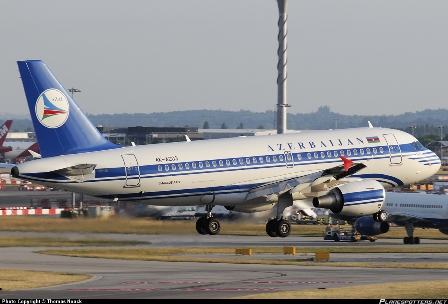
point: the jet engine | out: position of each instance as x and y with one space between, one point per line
249 208
355 199
444 230
366 225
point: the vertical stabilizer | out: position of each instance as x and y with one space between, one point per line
61 126
4 129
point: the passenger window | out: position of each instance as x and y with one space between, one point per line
355 152
248 161
316 155
193 165
167 168
329 153
254 160
349 153
241 161
341 152
335 153
268 159
187 166
280 157
159 167
214 163
228 162
274 158
207 164
180 166
308 155
361 151
201 165
322 154
260 159
299 156
368 150
234 162
381 150
173 166
221 163
374 150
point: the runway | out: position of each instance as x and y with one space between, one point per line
119 279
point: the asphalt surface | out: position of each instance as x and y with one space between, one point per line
119 279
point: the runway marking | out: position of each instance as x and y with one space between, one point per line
229 289
112 289
296 282
180 289
162 283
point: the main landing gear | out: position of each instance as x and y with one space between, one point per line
281 228
207 224
410 239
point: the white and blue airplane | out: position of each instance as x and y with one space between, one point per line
246 174
409 210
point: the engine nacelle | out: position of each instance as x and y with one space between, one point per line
250 208
444 230
368 226
354 199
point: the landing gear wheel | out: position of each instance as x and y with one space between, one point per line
406 240
212 226
417 240
200 224
335 237
382 216
270 228
283 228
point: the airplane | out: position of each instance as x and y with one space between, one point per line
344 170
4 129
20 149
14 149
410 210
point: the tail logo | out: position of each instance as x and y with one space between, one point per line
52 108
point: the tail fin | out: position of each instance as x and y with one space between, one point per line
61 126
4 129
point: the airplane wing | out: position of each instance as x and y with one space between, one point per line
306 183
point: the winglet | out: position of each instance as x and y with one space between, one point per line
347 163
187 138
370 125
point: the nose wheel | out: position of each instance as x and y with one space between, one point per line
380 216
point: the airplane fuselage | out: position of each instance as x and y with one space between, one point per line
218 172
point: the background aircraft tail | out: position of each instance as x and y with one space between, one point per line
4 129
60 125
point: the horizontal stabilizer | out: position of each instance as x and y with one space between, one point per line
77 170
34 154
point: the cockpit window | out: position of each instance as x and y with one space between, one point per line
418 146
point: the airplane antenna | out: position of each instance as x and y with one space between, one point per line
281 66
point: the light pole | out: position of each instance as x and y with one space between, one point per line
335 123
441 149
73 90
412 129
